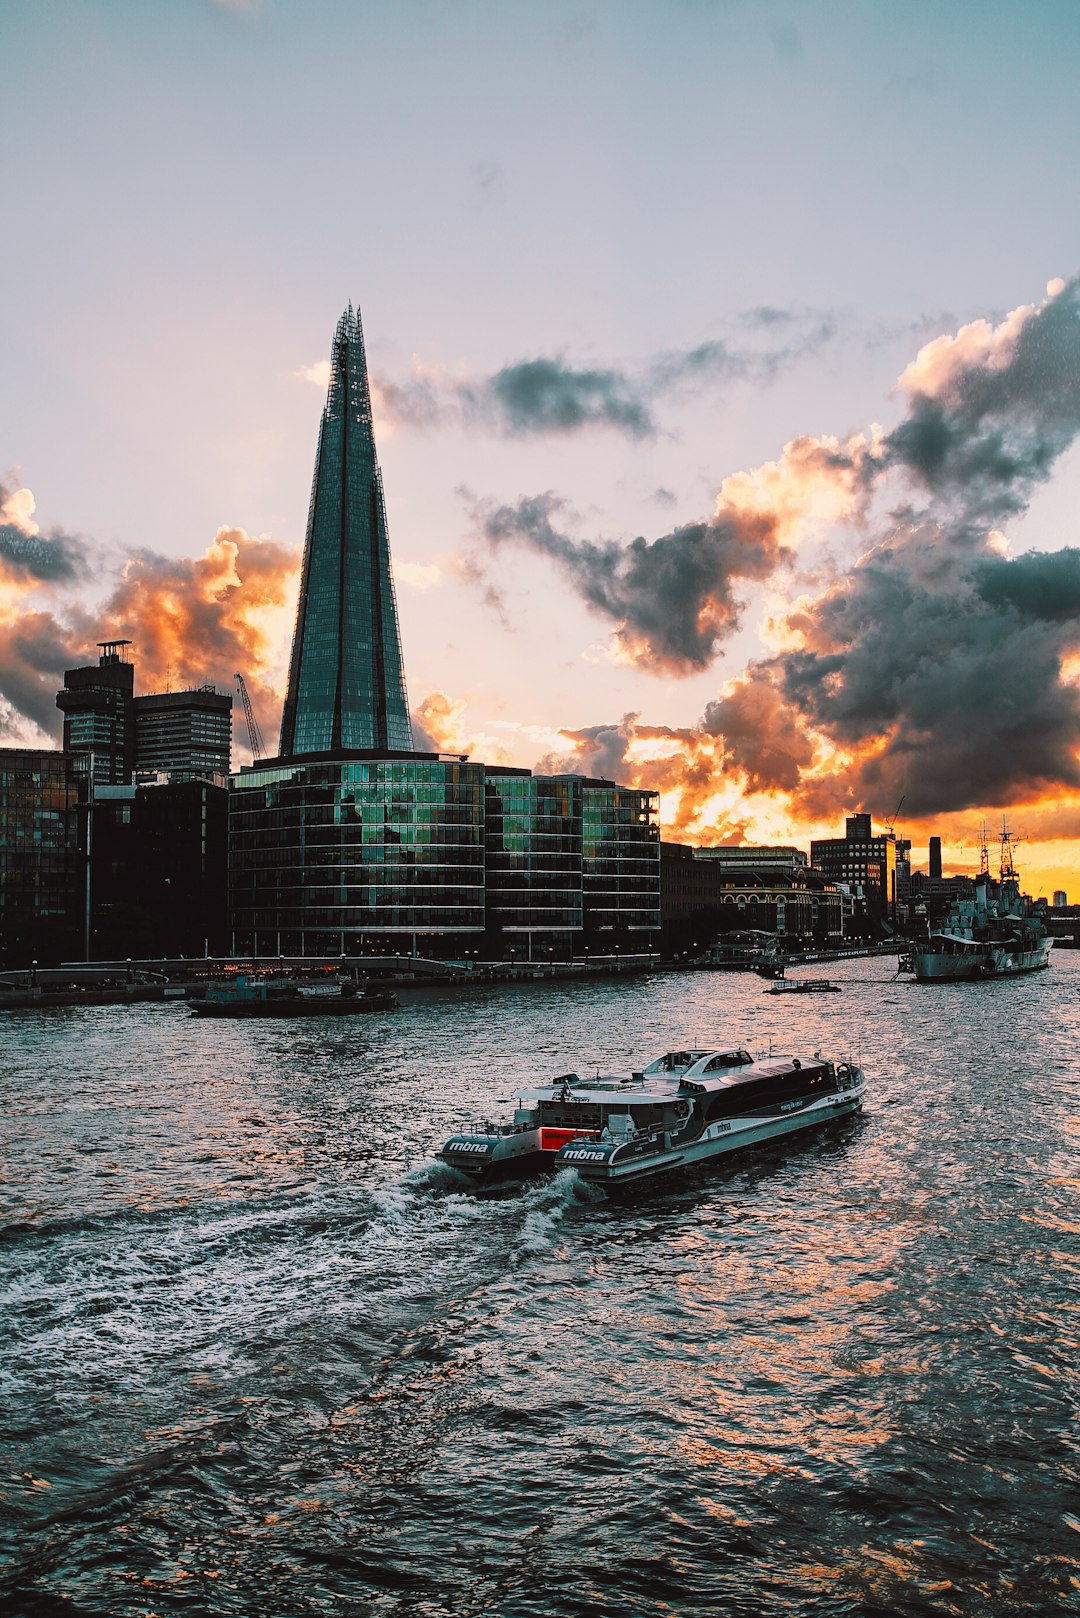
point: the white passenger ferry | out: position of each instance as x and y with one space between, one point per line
686 1106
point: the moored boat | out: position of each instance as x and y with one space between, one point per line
266 997
685 1107
803 986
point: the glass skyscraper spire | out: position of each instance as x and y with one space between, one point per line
346 680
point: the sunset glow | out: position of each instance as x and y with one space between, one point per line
785 537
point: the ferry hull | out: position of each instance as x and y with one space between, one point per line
602 1166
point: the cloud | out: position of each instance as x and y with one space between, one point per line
319 374
758 738
207 618
544 395
935 686
34 648
436 724
992 408
685 765
531 397
935 666
191 621
27 557
439 726
417 575
674 599
551 395
597 750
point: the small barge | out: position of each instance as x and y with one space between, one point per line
803 986
685 1107
257 997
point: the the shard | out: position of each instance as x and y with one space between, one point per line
346 680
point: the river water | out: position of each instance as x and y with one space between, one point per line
262 1355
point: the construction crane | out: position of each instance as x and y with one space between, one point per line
254 734
891 822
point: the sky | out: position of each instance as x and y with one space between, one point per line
726 374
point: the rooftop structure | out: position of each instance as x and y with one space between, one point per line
749 857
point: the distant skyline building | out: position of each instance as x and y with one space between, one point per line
184 732
346 689
709 893
97 703
864 862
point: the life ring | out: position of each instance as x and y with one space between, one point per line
682 1110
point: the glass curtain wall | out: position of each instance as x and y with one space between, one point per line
533 837
346 679
39 865
620 858
326 857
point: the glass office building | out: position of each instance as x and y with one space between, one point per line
332 856
533 840
346 680
389 854
98 705
620 858
184 731
349 842
41 873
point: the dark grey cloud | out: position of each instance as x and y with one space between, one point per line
993 430
936 664
952 695
598 750
50 558
1041 585
767 314
34 651
546 395
542 396
672 598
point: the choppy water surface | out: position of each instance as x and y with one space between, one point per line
262 1355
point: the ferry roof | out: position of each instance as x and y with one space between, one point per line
764 1068
710 1071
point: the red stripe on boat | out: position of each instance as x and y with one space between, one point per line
551 1140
